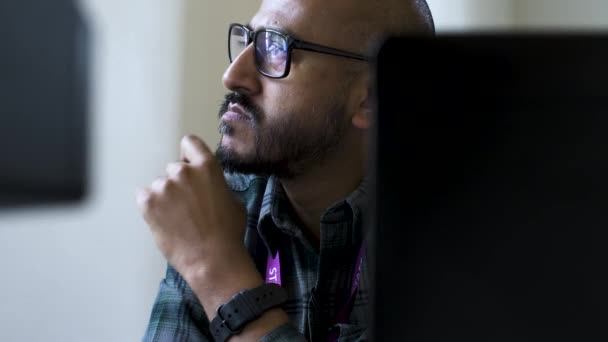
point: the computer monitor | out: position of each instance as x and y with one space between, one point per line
43 102
491 196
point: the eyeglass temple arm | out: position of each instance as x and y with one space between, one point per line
297 44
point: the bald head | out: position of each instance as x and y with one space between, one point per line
352 24
372 19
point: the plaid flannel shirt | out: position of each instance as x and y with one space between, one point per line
317 281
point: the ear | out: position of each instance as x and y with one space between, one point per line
362 119
363 112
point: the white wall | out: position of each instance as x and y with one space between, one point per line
505 15
561 14
471 15
205 59
90 272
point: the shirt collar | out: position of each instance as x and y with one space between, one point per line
276 208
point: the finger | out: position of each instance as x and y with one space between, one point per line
194 150
159 185
142 197
174 169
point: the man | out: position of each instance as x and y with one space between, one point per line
293 146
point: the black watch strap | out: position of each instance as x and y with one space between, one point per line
244 307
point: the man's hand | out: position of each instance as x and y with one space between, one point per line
199 227
196 221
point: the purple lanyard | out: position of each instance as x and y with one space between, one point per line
273 269
273 275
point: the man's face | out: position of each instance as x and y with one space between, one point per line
282 126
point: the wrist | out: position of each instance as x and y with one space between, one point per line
215 283
250 313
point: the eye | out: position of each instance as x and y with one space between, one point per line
275 50
275 46
241 43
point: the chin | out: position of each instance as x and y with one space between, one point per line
237 138
235 146
230 160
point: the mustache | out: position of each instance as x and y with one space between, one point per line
244 101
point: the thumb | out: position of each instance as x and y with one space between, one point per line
194 150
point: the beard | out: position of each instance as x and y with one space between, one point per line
286 147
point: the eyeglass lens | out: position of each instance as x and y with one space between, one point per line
238 41
271 50
271 53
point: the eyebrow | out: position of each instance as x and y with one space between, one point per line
275 28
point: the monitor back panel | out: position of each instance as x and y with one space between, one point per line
491 164
44 64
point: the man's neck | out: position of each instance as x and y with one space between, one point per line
312 193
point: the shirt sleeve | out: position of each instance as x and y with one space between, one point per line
177 315
284 333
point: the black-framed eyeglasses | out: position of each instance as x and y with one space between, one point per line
273 49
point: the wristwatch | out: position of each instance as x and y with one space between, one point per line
244 307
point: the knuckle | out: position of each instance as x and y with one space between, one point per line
188 138
169 186
143 199
160 186
157 183
205 162
147 202
180 173
182 170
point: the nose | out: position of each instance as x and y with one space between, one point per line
242 75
